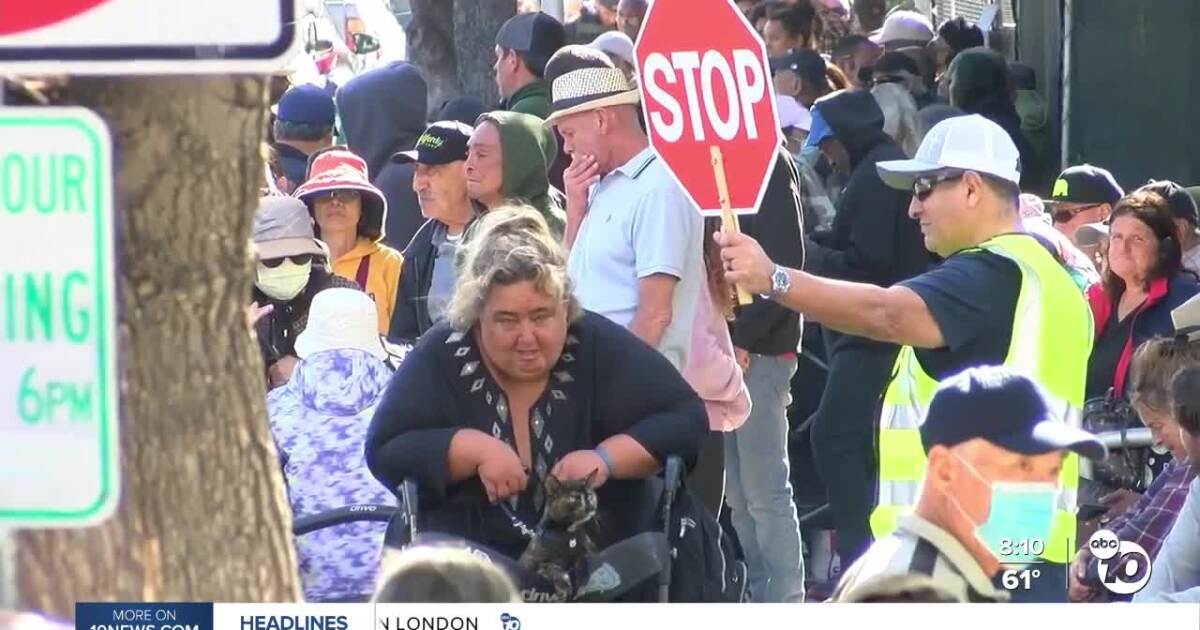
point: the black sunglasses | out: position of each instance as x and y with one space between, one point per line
923 186
298 259
1064 215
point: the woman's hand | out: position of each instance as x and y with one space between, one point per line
1077 590
578 465
1118 502
501 472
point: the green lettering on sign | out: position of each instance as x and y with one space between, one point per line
57 319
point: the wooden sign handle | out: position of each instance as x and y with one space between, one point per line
729 220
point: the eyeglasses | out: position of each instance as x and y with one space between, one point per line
1064 215
923 186
341 196
298 259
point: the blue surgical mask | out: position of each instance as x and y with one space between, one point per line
1020 518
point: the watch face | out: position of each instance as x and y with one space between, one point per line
780 281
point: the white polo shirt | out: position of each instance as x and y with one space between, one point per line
640 223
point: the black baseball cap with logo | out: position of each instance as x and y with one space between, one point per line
442 142
1086 184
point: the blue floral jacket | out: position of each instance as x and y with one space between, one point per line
320 421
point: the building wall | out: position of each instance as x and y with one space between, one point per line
1135 88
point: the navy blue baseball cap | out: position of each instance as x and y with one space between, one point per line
307 104
1004 407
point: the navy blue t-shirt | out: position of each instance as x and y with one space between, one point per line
973 297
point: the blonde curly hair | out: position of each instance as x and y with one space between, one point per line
510 244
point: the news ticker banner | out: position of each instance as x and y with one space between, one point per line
205 616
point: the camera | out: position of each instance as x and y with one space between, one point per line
1113 420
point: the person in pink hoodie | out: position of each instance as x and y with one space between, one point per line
713 371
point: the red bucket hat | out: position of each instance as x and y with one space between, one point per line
339 169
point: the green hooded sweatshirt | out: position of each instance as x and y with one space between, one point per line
528 149
533 99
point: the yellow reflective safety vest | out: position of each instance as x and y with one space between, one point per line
1051 340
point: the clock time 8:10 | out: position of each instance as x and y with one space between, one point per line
1022 547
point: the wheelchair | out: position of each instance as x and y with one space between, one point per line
640 567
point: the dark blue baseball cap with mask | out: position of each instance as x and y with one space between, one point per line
1008 409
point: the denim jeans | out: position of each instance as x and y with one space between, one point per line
757 486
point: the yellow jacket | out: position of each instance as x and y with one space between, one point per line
381 264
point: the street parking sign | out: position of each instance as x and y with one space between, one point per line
145 36
58 379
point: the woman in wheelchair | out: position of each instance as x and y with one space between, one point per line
521 384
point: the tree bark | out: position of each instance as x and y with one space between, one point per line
452 41
431 48
870 14
203 513
475 25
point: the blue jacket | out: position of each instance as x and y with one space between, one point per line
1152 319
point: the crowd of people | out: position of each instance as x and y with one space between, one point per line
482 299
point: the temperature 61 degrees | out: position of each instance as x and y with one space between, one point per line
1014 579
42 402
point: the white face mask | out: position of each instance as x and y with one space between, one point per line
285 281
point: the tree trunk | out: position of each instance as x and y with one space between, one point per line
203 513
870 14
431 48
452 41
475 25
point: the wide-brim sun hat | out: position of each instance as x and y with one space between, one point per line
339 169
583 79
341 319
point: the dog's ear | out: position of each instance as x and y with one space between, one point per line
552 484
590 478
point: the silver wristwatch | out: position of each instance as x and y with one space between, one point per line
781 281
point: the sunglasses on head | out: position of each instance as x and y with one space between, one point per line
340 196
1064 215
923 186
298 259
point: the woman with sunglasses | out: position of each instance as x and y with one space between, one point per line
1143 282
290 269
350 214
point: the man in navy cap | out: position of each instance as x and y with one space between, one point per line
1082 194
523 46
428 277
995 450
303 125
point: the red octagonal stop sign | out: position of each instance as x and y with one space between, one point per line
705 83
30 14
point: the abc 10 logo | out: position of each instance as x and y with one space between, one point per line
1124 566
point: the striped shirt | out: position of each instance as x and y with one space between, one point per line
922 548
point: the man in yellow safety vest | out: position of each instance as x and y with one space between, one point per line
1001 297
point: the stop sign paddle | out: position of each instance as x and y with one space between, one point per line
709 104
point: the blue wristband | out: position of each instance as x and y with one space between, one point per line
607 459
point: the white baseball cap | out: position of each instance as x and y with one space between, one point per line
963 143
904 27
341 318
